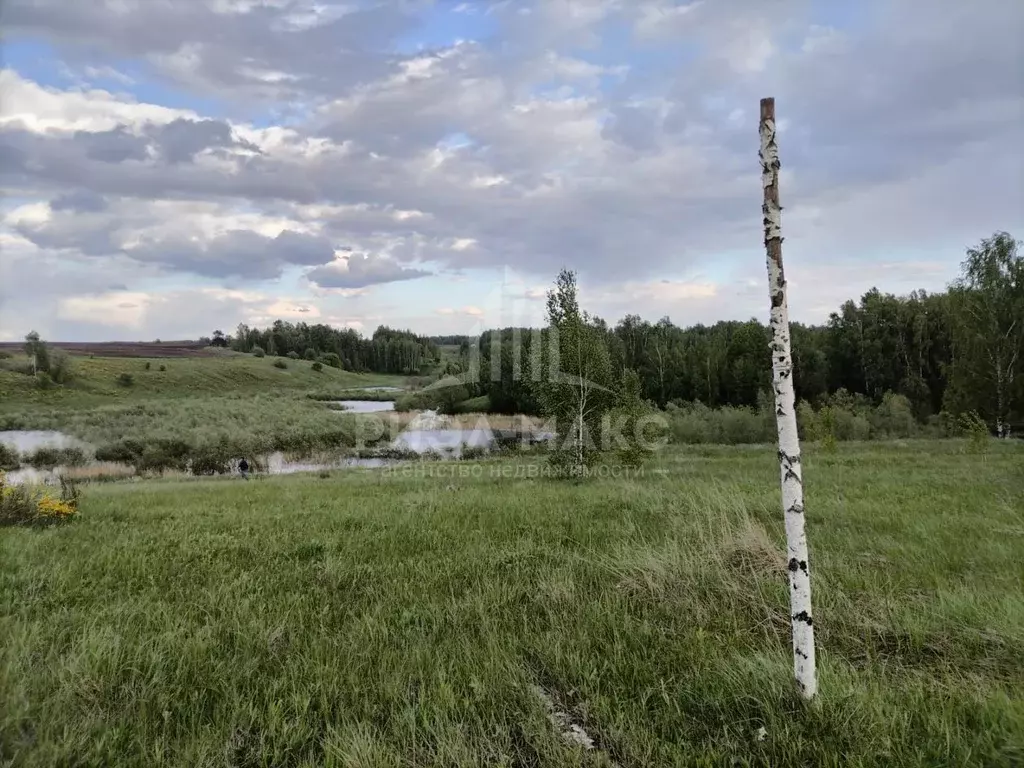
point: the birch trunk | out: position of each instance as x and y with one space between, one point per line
785 412
1000 396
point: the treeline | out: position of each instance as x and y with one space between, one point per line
957 351
387 351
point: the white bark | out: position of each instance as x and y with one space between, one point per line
785 411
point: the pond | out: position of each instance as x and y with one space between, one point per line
30 440
427 433
364 406
446 441
278 464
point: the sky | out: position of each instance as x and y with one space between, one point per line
171 167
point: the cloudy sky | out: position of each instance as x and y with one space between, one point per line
174 166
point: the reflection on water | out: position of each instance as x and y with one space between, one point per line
278 464
365 406
445 441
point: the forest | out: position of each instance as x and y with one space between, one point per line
955 351
387 351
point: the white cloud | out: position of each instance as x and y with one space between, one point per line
122 309
39 109
630 160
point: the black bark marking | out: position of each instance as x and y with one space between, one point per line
795 565
777 300
800 653
796 509
780 411
804 617
791 460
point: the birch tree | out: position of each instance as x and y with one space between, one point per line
575 389
785 413
988 311
36 349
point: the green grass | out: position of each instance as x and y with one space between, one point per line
94 380
390 620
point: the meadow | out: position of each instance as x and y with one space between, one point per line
408 617
209 409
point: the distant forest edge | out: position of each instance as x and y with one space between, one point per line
956 351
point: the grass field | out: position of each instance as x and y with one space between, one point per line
372 619
212 409
124 348
95 380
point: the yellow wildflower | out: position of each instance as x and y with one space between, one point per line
47 506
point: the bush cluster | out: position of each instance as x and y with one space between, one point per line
27 506
842 417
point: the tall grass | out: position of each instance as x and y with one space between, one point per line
843 419
376 619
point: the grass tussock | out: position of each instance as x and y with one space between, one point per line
387 619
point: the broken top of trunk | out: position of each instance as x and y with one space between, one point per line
790 468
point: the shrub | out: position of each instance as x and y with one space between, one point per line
279 363
974 428
293 355
894 417
125 380
808 422
828 429
60 366
310 353
210 460
43 380
163 368
20 505
125 452
24 368
9 458
332 359
48 458
318 366
258 352
147 365
472 452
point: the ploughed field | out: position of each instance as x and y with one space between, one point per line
124 348
433 615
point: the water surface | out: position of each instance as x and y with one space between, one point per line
30 440
365 406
